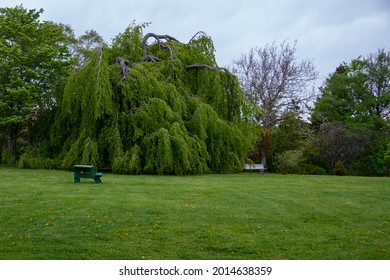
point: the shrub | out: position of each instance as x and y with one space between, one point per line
37 162
6 157
339 168
290 162
314 170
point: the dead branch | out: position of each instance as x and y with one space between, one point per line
199 65
159 39
198 35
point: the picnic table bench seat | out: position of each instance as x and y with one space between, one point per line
86 171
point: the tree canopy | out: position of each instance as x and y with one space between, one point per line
352 116
279 84
150 104
33 67
154 108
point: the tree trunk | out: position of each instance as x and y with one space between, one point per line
14 137
264 160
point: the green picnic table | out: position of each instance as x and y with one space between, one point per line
86 171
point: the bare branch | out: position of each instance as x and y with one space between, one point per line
124 66
150 58
159 38
275 81
197 35
199 65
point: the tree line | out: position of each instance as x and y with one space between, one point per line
341 129
149 104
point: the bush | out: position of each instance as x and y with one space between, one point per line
339 169
290 162
37 163
6 157
314 170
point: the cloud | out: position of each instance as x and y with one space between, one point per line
330 31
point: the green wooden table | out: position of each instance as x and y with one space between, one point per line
86 171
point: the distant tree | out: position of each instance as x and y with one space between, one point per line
276 82
82 46
357 92
352 116
291 134
33 66
343 145
291 161
378 83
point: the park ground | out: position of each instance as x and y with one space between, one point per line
44 215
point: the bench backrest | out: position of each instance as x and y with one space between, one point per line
256 166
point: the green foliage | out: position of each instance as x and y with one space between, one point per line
387 156
314 170
160 118
88 94
352 116
33 68
340 169
128 43
377 162
129 163
90 152
33 162
291 134
290 162
167 118
202 48
12 116
83 46
87 100
6 157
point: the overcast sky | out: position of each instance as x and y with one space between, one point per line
329 31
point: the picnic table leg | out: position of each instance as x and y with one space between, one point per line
76 177
97 180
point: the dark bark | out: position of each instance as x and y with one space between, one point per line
14 137
198 35
150 58
199 65
124 64
159 39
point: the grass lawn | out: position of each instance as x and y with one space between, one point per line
44 215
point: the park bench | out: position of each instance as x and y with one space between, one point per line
86 171
255 167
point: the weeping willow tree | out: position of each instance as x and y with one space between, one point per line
153 105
